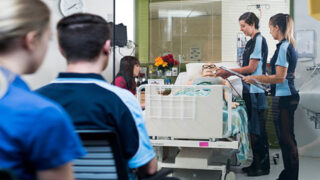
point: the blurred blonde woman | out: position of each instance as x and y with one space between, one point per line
36 135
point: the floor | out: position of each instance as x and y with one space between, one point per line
309 170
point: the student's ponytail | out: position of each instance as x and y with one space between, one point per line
285 23
289 31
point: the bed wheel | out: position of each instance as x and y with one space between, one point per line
230 176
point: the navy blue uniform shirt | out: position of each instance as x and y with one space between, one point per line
256 48
285 56
95 104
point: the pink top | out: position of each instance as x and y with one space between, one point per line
122 83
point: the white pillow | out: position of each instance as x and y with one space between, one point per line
181 79
194 70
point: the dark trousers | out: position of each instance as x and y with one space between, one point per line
258 134
284 125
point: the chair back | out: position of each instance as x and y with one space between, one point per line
103 159
7 174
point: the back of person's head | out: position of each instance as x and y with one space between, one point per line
250 18
285 24
82 36
127 64
19 17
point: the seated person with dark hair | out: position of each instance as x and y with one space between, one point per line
93 103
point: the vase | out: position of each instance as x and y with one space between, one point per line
168 72
174 71
160 73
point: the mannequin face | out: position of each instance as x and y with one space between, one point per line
136 70
246 28
209 69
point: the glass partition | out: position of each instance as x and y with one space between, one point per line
205 30
188 29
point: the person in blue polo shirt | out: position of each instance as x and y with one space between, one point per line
283 65
254 63
93 103
37 137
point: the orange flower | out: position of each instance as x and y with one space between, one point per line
158 61
164 64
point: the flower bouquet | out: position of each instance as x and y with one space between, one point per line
165 63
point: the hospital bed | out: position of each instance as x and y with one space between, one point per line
185 129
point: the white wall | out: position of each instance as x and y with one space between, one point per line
55 63
303 21
306 134
233 9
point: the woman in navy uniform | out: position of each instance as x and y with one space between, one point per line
254 63
283 65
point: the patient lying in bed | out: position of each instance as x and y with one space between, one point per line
208 77
239 115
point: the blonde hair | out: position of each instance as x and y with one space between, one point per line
285 23
18 17
289 35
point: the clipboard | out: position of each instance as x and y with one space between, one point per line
256 83
232 72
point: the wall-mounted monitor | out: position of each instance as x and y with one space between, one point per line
120 35
306 46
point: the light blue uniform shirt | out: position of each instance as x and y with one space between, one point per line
257 54
283 88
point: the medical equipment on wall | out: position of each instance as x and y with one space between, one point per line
306 44
120 36
258 6
241 45
315 69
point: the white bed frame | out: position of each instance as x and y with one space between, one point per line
193 124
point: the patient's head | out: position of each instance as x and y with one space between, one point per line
209 70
